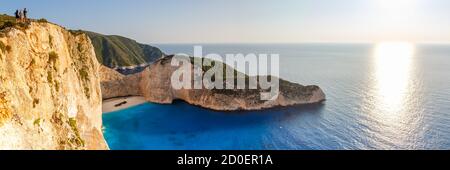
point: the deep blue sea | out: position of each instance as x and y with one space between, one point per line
379 96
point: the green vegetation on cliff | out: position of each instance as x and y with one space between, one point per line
7 21
117 51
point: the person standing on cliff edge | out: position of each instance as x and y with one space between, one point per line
20 16
25 12
17 15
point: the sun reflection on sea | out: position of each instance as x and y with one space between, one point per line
392 91
393 68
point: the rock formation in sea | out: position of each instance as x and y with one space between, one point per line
154 83
50 96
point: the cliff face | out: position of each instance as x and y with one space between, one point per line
50 94
155 85
114 84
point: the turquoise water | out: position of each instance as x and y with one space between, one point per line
379 96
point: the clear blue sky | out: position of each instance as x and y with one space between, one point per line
260 21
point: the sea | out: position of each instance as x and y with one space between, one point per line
383 96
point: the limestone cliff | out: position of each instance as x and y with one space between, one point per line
154 84
114 84
50 96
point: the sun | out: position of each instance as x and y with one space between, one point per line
393 12
395 4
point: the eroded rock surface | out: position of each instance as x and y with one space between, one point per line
50 95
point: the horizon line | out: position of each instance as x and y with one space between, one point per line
304 42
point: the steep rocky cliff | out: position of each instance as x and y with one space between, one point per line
154 83
50 95
114 84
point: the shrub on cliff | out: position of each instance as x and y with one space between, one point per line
7 25
5 48
42 20
52 57
2 47
76 32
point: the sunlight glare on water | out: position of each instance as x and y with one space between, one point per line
393 68
392 86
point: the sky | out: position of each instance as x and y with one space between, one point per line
249 21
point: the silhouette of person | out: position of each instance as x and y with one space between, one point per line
25 12
20 15
17 15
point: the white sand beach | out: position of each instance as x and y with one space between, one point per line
109 105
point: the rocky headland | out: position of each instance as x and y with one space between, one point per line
154 84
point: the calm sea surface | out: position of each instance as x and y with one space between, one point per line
379 96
